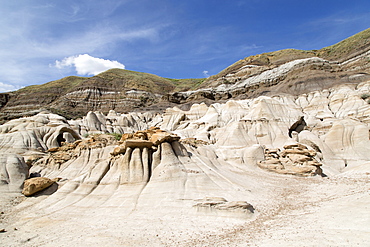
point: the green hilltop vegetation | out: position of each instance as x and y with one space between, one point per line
57 86
186 84
347 48
52 95
341 51
148 82
118 79
121 79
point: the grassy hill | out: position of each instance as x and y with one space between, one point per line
77 95
118 79
347 48
341 51
54 95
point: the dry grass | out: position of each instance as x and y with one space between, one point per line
341 51
346 48
56 86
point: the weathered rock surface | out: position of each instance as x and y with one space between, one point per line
73 97
13 172
39 133
158 186
335 139
221 207
295 159
337 128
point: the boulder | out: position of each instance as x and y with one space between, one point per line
33 185
221 207
126 136
163 136
118 150
295 159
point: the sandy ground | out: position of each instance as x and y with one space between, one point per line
327 212
292 211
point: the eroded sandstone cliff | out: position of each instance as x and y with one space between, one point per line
333 139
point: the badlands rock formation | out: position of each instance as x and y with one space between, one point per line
295 159
73 96
182 177
287 71
272 151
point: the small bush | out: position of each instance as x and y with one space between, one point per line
365 96
116 135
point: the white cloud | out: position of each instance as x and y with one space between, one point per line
8 87
31 43
205 73
88 65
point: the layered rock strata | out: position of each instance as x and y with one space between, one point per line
295 159
287 71
293 77
336 123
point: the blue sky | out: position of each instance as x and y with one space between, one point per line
41 40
